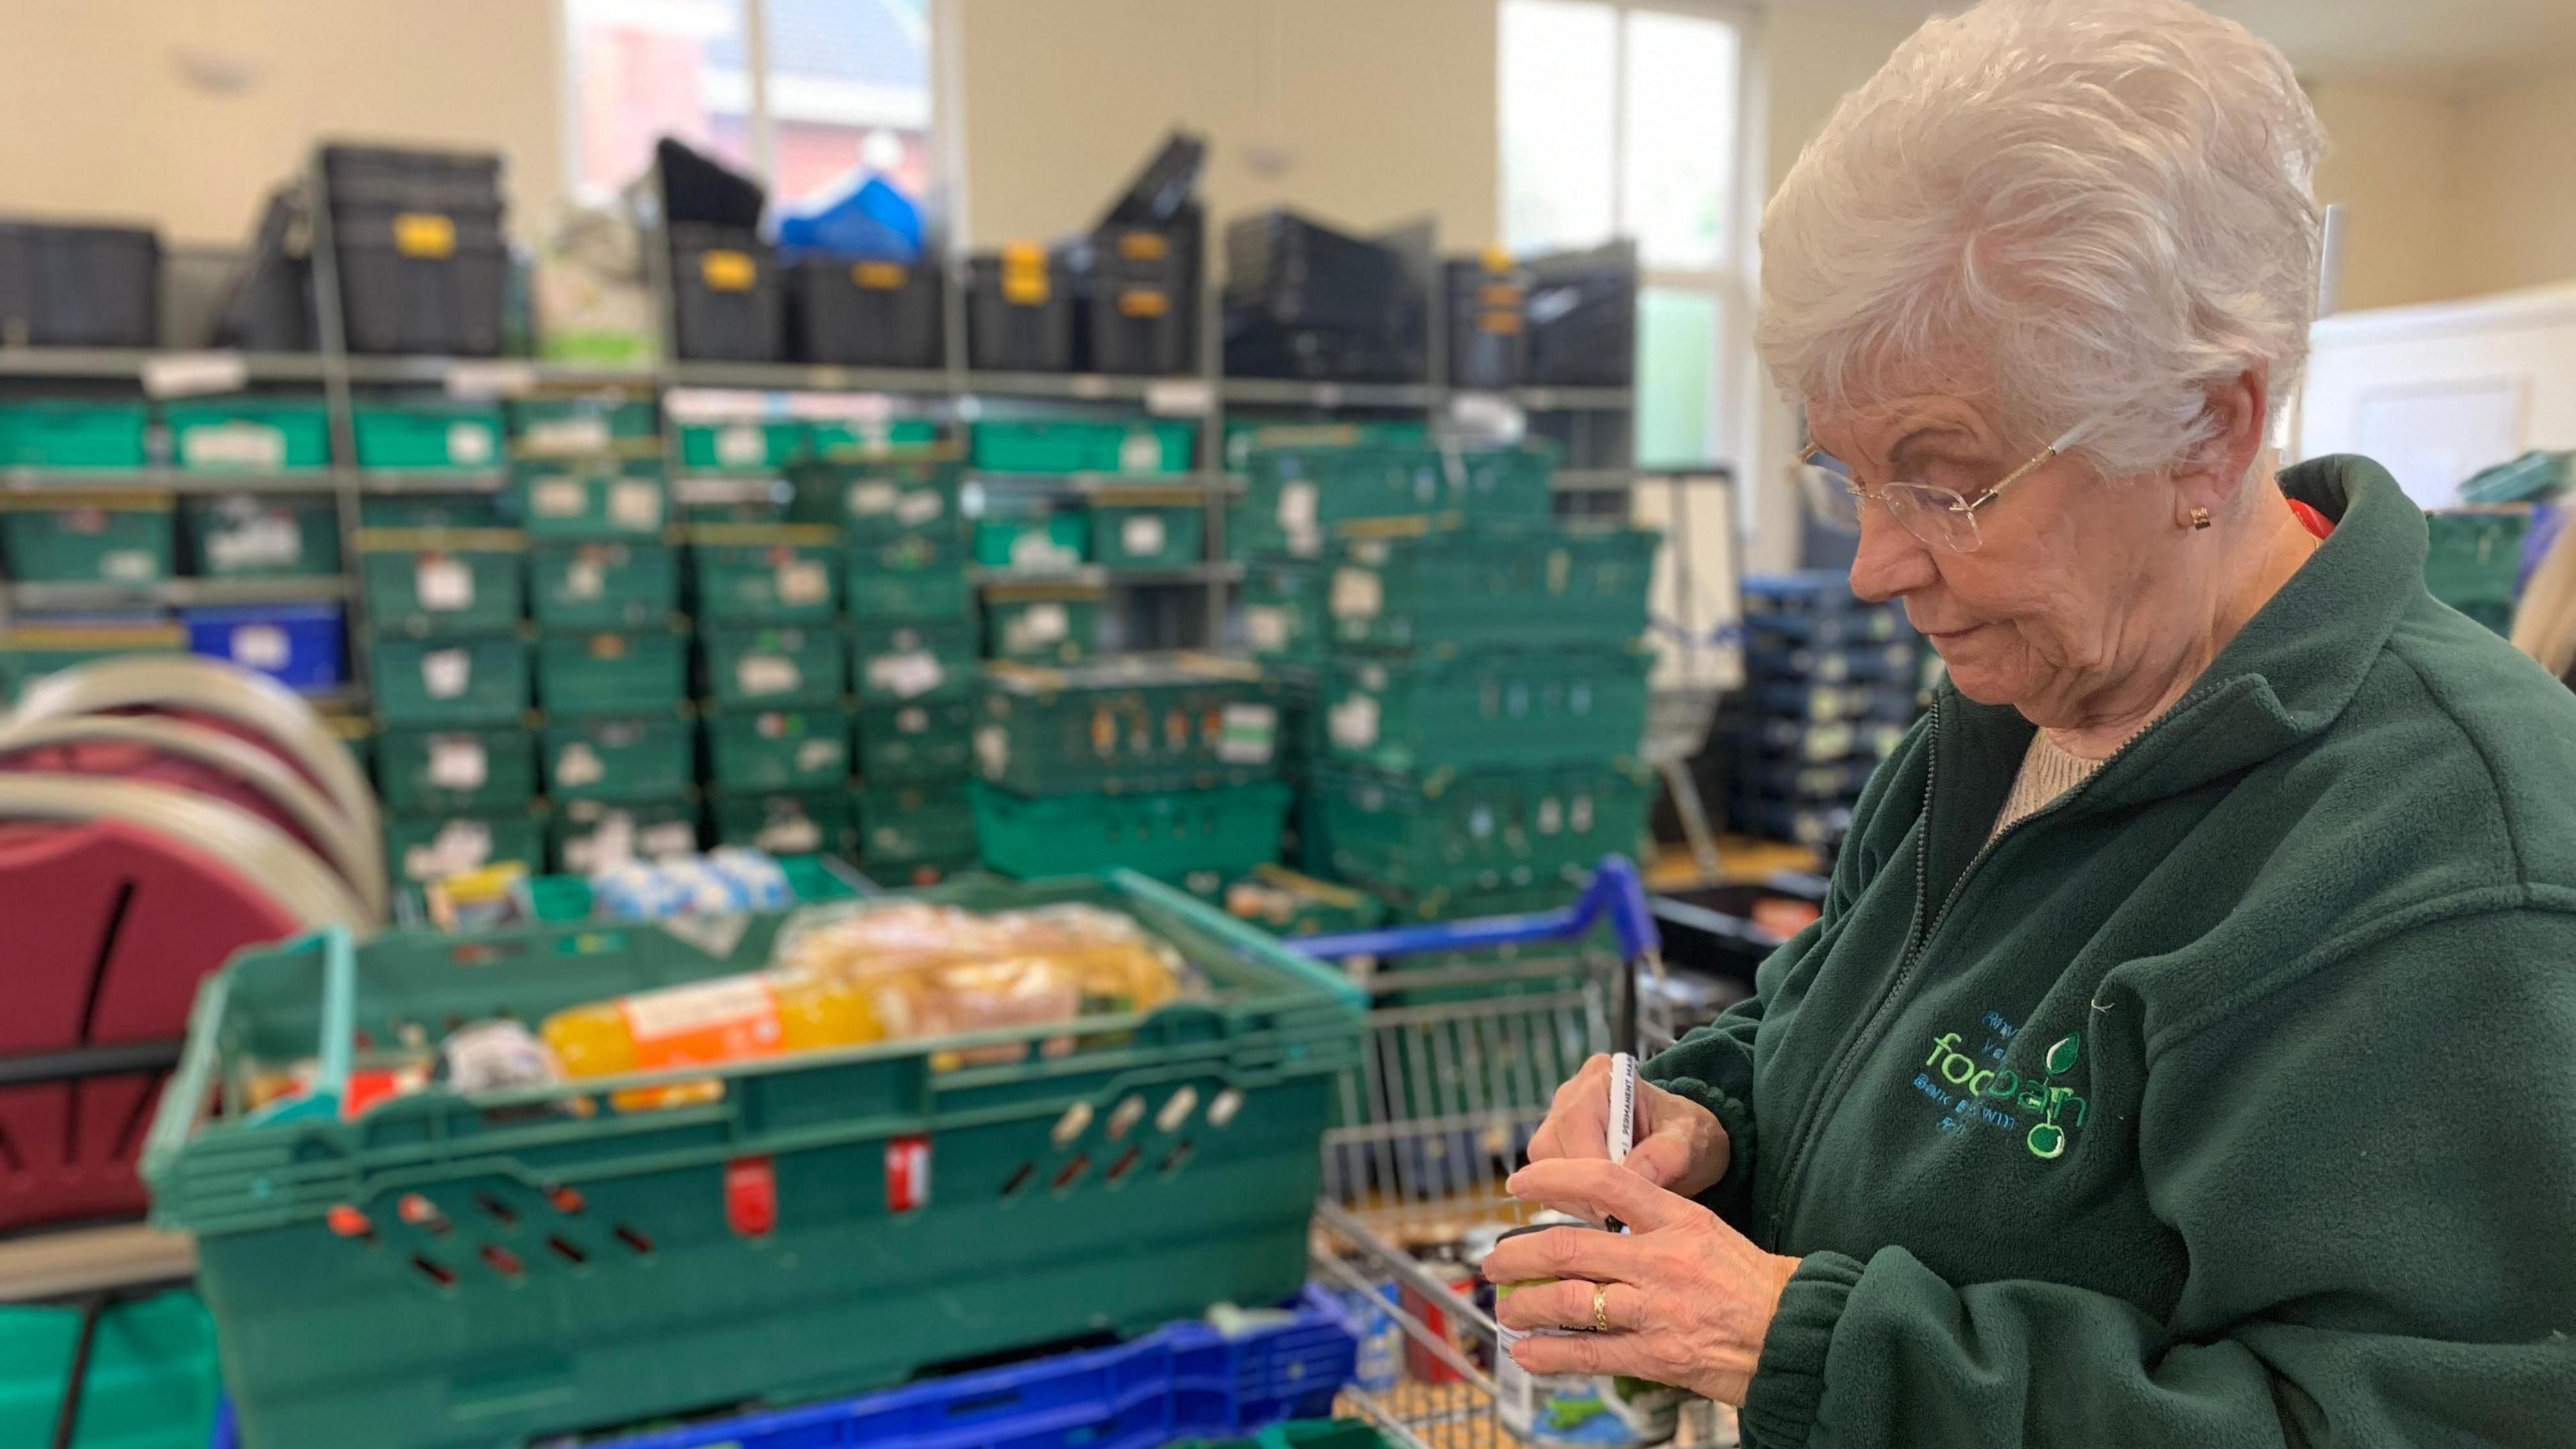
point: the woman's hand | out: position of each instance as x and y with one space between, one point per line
1689 1298
1679 1144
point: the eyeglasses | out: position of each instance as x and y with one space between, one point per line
1933 514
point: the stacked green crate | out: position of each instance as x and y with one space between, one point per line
1166 763
911 662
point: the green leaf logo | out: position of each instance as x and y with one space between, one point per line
2047 1139
2061 1060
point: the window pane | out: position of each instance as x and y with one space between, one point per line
1557 89
1681 139
1677 378
644 69
849 91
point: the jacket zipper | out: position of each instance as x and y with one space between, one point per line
1919 934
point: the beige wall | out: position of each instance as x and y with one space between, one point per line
2389 162
1377 113
2512 215
96 120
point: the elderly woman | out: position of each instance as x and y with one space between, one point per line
2186 1054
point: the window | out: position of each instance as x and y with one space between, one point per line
1624 119
802 93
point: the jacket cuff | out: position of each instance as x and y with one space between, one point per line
1730 1195
1789 1382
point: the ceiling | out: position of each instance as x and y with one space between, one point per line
2445 44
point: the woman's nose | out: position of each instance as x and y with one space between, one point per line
1891 562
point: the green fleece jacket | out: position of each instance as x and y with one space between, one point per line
2228 1100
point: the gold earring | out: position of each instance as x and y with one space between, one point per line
2200 518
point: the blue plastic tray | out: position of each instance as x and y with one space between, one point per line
298 645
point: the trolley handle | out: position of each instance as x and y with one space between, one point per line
1613 892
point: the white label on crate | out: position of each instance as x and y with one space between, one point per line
1357 594
1551 815
1179 397
635 504
1579 815
912 720
444 673
1297 506
189 374
993 750
1140 452
922 505
469 445
1141 535
128 565
667 837
1265 627
1246 734
870 498
794 835
1033 549
803 581
558 498
443 583
260 540
767 674
1480 823
742 446
573 435
815 756
1353 722
587 578
579 765
458 762
906 675
233 445
260 646
490 379
459 846
653 1015
1044 623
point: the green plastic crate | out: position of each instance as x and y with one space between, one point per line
603 585
239 435
640 758
455 771
2472 559
243 535
765 574
1036 540
471 509
1135 722
48 434
634 672
581 427
1493 707
1284 618
742 447
1285 903
1042 622
917 659
878 502
915 833
1489 830
121 537
1302 1434
1296 495
440 580
804 748
786 822
586 836
1491 584
1150 528
428 436
29 652
1041 1223
558 500
1067 446
770 668
845 440
1218 833
150 1383
928 740
424 848
909 578
471 680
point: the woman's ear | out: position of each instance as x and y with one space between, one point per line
2235 412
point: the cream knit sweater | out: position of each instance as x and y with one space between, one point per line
2046 773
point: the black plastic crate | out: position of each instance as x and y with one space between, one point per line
1582 319
1299 273
1256 346
420 282
1140 289
78 286
864 313
1019 311
267 304
1488 335
410 179
726 293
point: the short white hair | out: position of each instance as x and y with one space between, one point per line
2107 201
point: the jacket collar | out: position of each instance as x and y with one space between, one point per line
2285 676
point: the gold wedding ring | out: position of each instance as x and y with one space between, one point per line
1600 1308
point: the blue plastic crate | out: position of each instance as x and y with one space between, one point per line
1184 1380
301 646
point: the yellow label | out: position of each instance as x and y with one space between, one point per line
1500 324
1143 246
726 270
1024 274
1143 302
424 234
878 276
1498 294
1496 259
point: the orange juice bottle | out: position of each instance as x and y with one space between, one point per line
703 1023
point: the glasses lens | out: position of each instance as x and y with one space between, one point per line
1935 515
1829 495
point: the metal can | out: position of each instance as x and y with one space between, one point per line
1589 1409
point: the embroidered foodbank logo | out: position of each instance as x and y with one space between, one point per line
1982 1088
